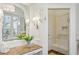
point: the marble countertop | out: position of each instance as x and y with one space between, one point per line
20 50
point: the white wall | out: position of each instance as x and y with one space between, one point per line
41 34
77 27
1 20
72 35
34 11
77 21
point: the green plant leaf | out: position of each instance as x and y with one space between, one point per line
24 36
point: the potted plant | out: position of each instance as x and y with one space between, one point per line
26 37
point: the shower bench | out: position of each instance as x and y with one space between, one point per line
24 50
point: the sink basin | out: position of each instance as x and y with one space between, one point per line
15 43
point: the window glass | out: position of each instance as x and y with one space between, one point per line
6 26
15 22
12 25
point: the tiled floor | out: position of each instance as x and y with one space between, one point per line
52 52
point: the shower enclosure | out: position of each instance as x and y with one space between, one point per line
58 30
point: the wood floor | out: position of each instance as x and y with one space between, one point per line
52 52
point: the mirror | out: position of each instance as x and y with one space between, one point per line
13 24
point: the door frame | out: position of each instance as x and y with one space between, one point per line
68 22
72 25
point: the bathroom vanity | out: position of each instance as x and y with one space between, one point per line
25 50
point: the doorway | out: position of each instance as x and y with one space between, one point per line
58 31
